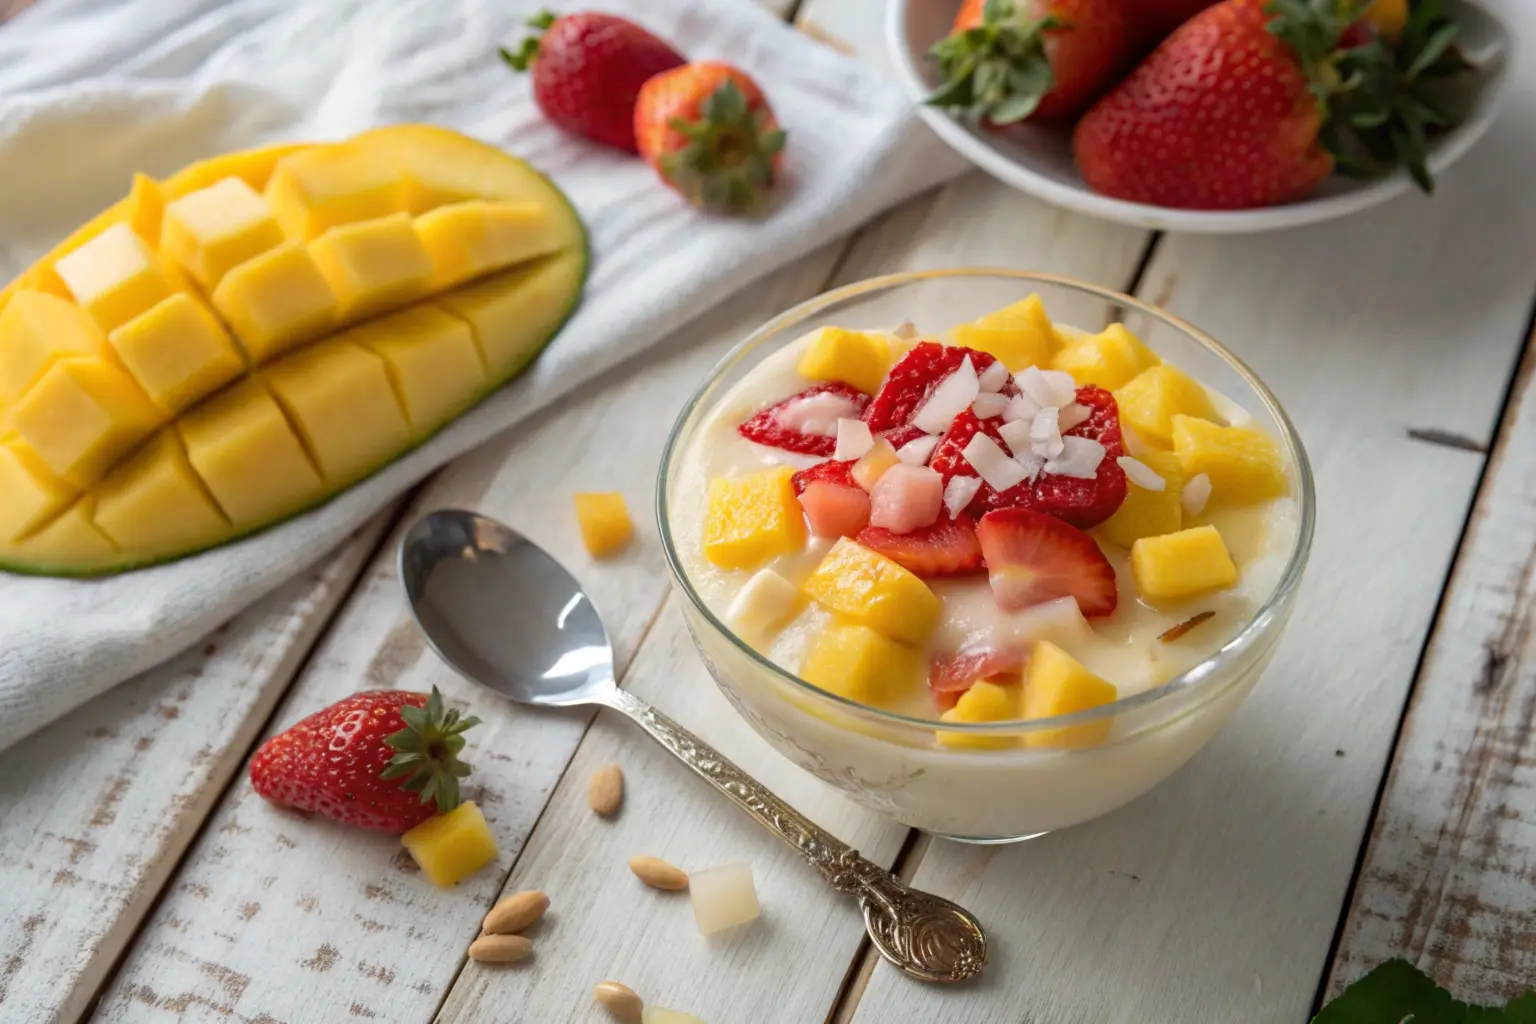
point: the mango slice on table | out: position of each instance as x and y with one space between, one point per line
261 330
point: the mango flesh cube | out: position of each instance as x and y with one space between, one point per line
605 524
983 702
1055 683
31 492
869 469
252 462
723 897
874 591
1108 359
339 398
511 312
469 240
439 166
752 518
1146 513
178 352
1244 465
115 276
317 189
1183 564
154 503
372 266
276 301
861 664
70 541
146 207
37 329
432 360
763 606
451 847
1149 401
852 357
1028 313
82 416
214 230
1020 335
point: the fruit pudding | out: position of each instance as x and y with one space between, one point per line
945 540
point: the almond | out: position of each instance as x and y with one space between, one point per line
515 913
605 790
657 873
500 949
619 1000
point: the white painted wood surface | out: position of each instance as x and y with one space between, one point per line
1449 878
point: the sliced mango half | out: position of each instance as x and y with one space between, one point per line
235 344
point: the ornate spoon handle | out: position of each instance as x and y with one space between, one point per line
926 936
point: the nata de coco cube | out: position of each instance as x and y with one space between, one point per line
723 897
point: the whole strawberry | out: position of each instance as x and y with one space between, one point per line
1253 102
383 759
587 72
1008 60
708 130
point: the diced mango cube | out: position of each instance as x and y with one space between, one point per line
276 301
317 189
510 310
36 329
861 664
983 702
241 445
763 606
115 276
853 357
1108 359
1149 401
606 528
450 847
1244 465
873 464
146 207
469 240
339 398
752 518
1146 513
1021 335
1055 683
870 589
213 230
432 362
31 492
82 416
178 352
70 541
154 503
1183 564
373 265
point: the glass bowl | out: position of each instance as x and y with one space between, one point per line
890 762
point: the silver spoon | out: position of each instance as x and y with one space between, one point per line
507 616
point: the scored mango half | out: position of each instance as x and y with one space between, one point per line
228 347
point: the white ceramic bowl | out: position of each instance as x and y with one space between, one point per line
1038 159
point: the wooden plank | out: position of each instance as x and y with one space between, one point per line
1216 896
374 935
96 809
1449 877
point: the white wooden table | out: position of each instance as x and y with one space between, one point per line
1375 797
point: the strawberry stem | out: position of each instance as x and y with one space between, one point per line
997 71
427 751
522 59
727 164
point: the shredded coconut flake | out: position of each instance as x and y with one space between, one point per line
1133 442
1080 458
993 377
906 332
1073 415
1016 436
994 465
1045 434
1141 474
1196 493
1051 388
953 396
854 440
988 405
959 492
1021 407
1031 463
1062 385
918 452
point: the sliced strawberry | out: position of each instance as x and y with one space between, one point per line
948 678
947 548
1083 503
829 472
767 427
912 379
900 437
1033 557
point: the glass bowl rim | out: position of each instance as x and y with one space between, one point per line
1207 669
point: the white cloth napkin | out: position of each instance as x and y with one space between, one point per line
92 90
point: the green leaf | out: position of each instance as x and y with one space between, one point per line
726 105
1399 993
1015 108
1439 42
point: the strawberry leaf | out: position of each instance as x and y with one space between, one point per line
997 71
1397 992
428 749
